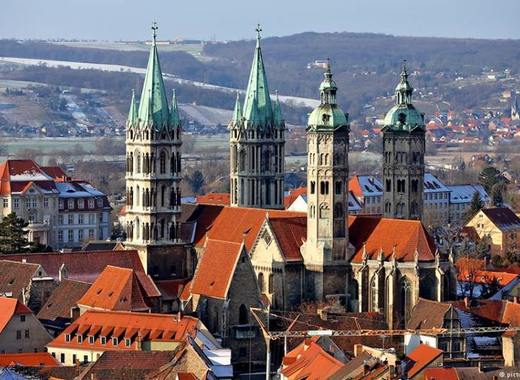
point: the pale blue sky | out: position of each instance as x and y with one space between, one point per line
235 19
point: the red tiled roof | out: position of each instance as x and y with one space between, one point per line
36 359
440 374
54 171
124 324
222 199
62 299
186 291
237 224
171 289
115 289
290 234
489 310
10 307
216 268
309 361
511 314
376 233
293 194
355 187
421 357
486 277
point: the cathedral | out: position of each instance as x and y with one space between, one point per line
232 257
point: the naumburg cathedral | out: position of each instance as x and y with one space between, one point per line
367 263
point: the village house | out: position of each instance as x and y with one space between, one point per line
20 331
501 225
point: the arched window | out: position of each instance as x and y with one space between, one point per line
388 185
313 187
137 196
172 164
261 282
373 294
242 159
162 163
138 169
405 299
271 283
163 194
243 315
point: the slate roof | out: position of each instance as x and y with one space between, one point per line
62 299
15 276
216 268
428 314
115 289
502 217
374 234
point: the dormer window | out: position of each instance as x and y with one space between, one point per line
91 339
128 342
80 338
103 340
115 341
68 338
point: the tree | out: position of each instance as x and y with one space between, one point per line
196 181
497 194
475 205
13 235
488 177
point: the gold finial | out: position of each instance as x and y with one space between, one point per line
154 31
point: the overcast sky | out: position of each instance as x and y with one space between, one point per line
236 19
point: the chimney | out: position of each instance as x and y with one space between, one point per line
466 302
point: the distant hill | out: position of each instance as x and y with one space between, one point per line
365 65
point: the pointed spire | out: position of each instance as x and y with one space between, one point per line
237 111
257 87
132 113
277 111
254 114
404 90
175 119
153 106
328 87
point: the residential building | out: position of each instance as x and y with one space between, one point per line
153 175
420 359
501 226
369 192
20 331
325 250
403 155
431 315
96 331
436 199
460 201
223 298
61 212
257 143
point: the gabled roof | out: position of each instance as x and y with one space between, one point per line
373 234
309 361
440 373
214 199
428 314
421 357
54 172
486 277
365 185
290 233
10 307
293 194
122 324
216 268
62 299
502 217
15 277
28 359
115 289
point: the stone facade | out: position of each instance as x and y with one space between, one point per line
257 144
403 156
325 250
153 174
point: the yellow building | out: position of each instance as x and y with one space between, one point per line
501 226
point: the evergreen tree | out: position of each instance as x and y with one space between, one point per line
13 235
196 181
475 205
488 177
497 194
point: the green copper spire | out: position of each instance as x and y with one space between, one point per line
403 116
237 111
153 107
277 112
175 119
132 113
257 89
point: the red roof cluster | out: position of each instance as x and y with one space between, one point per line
28 359
223 199
421 357
10 307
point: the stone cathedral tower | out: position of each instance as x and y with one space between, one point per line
403 155
153 175
257 144
325 251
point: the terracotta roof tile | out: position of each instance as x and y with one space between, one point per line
376 233
216 268
355 186
10 307
54 171
511 314
440 373
125 324
171 289
309 361
428 314
293 194
115 289
222 199
486 277
421 357
62 299
290 233
15 277
36 359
